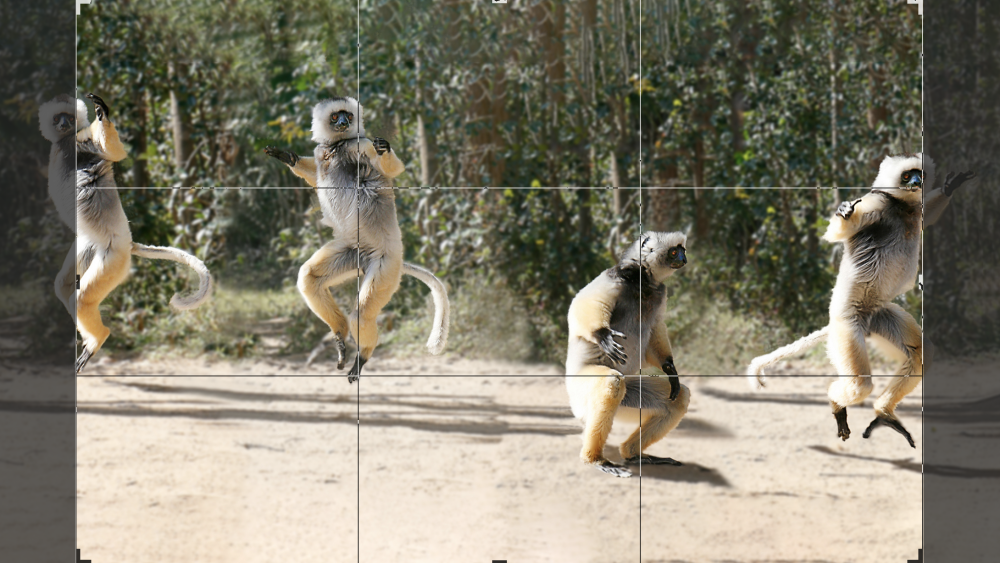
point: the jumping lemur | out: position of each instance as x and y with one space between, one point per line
881 236
616 327
104 246
352 176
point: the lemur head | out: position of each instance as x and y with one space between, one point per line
337 119
61 116
904 176
661 254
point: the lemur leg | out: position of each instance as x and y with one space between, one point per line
382 277
108 270
66 283
897 333
885 406
844 392
331 265
846 348
604 388
658 416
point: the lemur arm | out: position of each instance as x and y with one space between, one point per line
659 352
305 168
938 199
852 216
302 166
590 317
381 155
101 137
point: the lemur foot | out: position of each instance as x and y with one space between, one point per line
100 108
646 459
287 157
613 350
341 350
891 423
355 372
843 431
955 181
612 468
83 359
381 146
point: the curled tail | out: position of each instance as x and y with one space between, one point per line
178 255
439 335
756 369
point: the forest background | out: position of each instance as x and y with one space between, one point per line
539 94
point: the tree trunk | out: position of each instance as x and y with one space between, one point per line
182 141
425 138
663 210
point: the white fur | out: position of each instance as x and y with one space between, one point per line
57 105
893 166
322 133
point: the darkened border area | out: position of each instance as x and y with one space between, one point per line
37 385
962 291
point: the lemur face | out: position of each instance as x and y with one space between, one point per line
911 179
64 123
341 120
661 253
675 257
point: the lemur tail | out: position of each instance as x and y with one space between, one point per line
439 335
178 255
756 369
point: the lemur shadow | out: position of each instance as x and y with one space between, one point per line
790 398
468 414
687 473
910 465
695 426
972 412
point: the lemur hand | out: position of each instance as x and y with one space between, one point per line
100 107
955 181
381 146
287 157
846 209
613 350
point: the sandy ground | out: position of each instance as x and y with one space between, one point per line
274 469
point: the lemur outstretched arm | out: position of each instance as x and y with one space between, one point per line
101 137
302 166
938 199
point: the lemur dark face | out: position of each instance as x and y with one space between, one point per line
675 257
64 123
911 179
341 120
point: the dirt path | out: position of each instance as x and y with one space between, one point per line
267 469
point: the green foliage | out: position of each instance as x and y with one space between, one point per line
731 94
